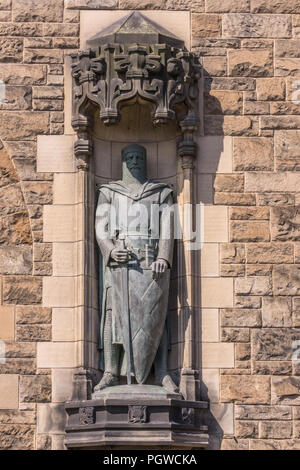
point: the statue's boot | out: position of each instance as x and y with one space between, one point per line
168 383
108 380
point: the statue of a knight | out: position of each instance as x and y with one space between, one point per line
135 233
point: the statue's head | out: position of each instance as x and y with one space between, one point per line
134 159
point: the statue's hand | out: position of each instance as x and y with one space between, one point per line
120 255
159 267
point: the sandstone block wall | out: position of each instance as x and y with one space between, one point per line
248 178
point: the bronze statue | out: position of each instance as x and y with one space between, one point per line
137 265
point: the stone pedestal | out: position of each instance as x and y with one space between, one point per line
135 416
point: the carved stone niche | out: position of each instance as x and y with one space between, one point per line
135 62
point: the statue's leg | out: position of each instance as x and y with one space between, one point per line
161 366
112 353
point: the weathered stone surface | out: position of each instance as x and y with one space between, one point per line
20 350
270 253
249 213
247 301
33 333
214 66
38 42
240 317
21 125
223 102
12 201
48 105
245 429
276 312
44 56
48 92
274 444
235 335
280 122
261 412
250 63
232 270
39 192
286 67
234 199
18 366
35 10
228 125
42 252
11 50
245 389
275 6
254 153
256 107
235 444
13 74
7 172
259 285
17 97
237 84
23 290
5 4
275 430
16 437
270 89
269 26
287 48
271 344
286 280
286 390
17 417
229 183
61 29
232 254
92 4
243 352
42 269
272 367
206 25
272 182
227 6
258 270
275 199
15 260
15 229
35 389
21 29
32 315
249 231
43 442
287 148
285 223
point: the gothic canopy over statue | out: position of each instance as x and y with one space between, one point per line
134 58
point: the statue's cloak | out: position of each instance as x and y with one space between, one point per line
148 298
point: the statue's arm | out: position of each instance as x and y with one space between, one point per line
166 241
102 226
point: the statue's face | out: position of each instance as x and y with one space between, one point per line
135 162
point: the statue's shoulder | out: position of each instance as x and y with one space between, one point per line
164 189
112 186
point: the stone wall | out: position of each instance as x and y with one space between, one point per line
248 180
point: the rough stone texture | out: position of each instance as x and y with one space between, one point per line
245 389
35 389
250 63
257 26
247 150
204 26
23 290
35 10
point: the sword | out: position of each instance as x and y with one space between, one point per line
126 320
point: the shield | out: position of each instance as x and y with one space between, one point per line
142 319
